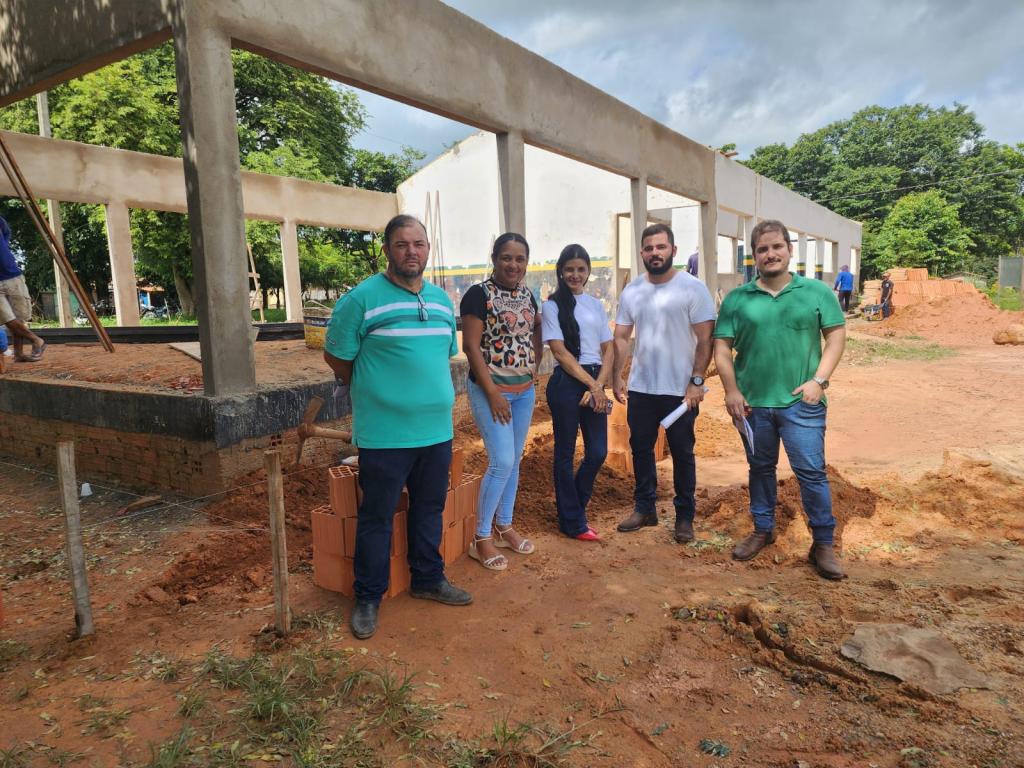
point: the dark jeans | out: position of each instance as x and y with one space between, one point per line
844 300
886 308
801 427
383 472
643 414
573 491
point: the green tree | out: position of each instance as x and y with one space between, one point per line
860 167
290 122
923 230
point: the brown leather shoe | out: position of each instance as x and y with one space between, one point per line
823 558
684 531
638 520
754 543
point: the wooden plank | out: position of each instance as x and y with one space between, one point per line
278 544
73 537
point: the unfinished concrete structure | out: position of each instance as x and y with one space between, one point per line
419 52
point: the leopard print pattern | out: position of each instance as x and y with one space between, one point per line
507 342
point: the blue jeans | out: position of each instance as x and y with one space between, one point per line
643 414
504 444
573 491
383 472
801 428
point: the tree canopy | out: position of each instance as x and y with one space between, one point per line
865 166
290 122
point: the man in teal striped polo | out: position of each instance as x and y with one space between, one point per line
390 339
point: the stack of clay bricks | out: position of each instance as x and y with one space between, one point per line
334 528
620 456
913 286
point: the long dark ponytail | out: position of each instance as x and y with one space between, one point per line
566 300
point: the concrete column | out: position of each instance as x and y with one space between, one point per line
512 182
290 269
62 291
819 258
638 220
748 252
801 254
709 245
122 264
213 185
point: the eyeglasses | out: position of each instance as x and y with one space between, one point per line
424 316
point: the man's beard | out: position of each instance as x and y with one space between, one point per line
408 271
665 267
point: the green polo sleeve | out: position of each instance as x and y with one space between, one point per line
345 331
725 327
829 311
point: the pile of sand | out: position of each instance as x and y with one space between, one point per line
955 320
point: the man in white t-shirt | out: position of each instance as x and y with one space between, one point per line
673 315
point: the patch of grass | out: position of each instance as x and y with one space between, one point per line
868 352
103 721
62 757
14 757
191 703
324 622
10 651
1005 298
390 703
718 542
173 753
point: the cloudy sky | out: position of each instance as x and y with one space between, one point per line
752 72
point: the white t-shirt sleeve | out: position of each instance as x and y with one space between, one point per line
702 308
625 314
606 332
549 327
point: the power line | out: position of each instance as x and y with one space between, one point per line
921 186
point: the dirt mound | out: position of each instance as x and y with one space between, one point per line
727 510
239 558
535 500
973 492
955 320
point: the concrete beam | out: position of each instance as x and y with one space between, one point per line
213 183
43 44
512 182
819 258
83 173
122 264
801 254
638 222
290 270
61 289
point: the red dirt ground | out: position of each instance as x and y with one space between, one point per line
674 643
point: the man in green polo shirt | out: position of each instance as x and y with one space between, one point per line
775 324
390 339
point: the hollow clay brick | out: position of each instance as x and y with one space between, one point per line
455 469
342 490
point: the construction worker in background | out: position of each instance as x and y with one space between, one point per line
15 302
390 339
693 263
843 286
886 297
777 385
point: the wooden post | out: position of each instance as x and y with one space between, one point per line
278 545
73 535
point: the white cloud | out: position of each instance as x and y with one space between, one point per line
759 72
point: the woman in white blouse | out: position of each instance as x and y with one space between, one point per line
575 327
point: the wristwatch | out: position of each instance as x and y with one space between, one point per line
823 383
697 381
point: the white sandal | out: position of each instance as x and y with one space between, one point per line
494 563
525 545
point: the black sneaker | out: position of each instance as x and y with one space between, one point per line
364 619
443 592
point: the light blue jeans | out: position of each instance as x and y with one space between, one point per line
504 444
